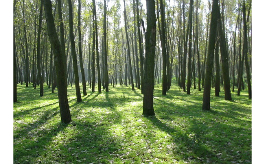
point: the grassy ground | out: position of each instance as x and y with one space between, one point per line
110 128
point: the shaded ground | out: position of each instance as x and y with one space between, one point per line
110 128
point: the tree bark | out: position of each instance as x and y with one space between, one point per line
217 69
209 62
80 49
224 57
39 65
106 74
73 52
245 51
60 67
190 47
128 47
150 40
14 57
162 30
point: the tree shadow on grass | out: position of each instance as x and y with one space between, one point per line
186 148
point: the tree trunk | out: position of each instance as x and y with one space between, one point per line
190 47
140 45
14 57
150 41
217 69
224 57
135 45
197 47
60 67
163 45
80 49
73 52
245 51
128 47
39 67
106 76
209 63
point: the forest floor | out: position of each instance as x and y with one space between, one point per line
109 128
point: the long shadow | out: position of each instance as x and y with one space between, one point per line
32 149
199 152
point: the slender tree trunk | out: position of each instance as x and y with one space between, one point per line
150 41
190 47
26 46
197 47
73 52
135 45
224 57
245 51
209 63
39 65
128 47
217 69
140 45
60 67
80 49
185 51
14 57
106 77
163 45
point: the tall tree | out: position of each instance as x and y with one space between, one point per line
73 52
39 67
190 47
106 74
60 67
217 69
26 46
224 57
80 49
197 46
140 45
14 56
163 45
245 50
210 56
128 47
150 41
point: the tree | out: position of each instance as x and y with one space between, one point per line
209 62
163 45
40 77
245 50
14 58
224 57
197 47
73 52
190 46
60 67
128 46
150 40
80 49
217 68
106 76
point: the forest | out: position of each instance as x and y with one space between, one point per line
115 81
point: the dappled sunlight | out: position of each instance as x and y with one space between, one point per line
109 127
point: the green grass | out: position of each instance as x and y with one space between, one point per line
110 128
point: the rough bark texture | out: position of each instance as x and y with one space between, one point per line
210 57
60 67
150 40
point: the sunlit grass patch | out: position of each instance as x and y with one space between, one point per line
109 128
